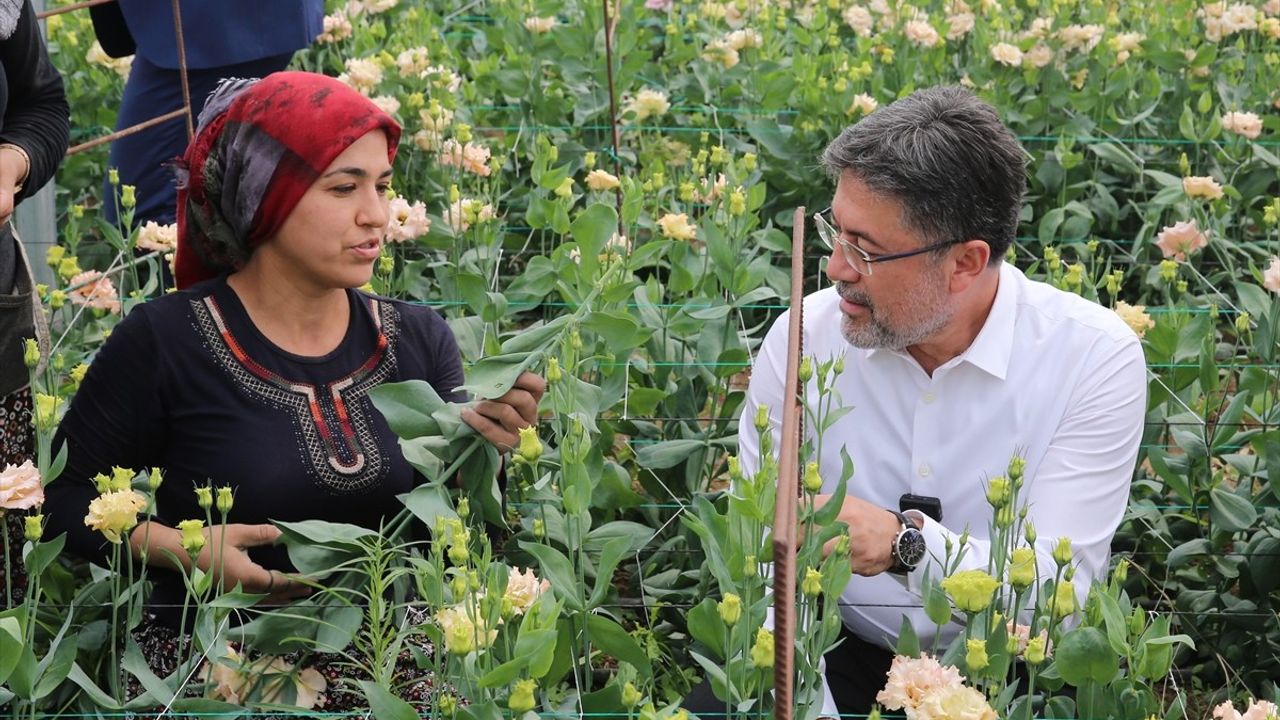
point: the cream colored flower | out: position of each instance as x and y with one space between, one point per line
860 20
413 62
114 513
1135 316
1244 124
955 702
648 103
912 680
1038 56
709 191
1270 27
154 236
363 74
523 589
720 52
386 104
1180 240
743 39
1006 54
1039 28
93 289
1238 18
336 27
1126 42
600 181
98 56
677 227
1271 7
459 627
1083 38
959 25
539 25
863 104
921 33
1201 187
232 680
20 487
1271 276
409 221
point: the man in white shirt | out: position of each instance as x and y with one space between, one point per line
953 362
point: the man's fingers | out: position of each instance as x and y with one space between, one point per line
503 414
490 430
253 535
536 385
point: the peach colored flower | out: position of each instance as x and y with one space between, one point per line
470 157
863 104
721 52
1201 187
523 589
1260 710
1136 317
1038 56
386 104
1180 240
20 487
1226 711
93 289
1080 37
912 680
232 680
336 27
154 236
921 33
1244 124
743 39
409 221
1271 277
959 25
859 19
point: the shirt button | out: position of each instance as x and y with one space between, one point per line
928 397
924 470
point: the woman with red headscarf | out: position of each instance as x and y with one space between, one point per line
255 374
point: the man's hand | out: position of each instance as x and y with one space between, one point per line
872 530
499 420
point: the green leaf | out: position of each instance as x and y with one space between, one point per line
538 648
707 628
556 568
1230 512
537 339
136 665
386 706
621 332
429 503
908 641
1084 654
407 407
1116 156
612 639
10 641
493 376
668 453
322 532
1113 619
612 554
505 673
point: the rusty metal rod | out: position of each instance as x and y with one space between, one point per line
785 508
127 131
68 8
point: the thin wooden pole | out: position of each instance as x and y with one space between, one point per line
785 508
182 67
613 108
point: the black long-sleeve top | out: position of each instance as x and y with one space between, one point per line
188 384
35 111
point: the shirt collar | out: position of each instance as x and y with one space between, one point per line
992 349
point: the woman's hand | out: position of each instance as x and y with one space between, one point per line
225 554
499 420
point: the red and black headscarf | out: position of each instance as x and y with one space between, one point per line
259 147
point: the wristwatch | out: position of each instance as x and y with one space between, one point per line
908 546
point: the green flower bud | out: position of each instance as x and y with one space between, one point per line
1063 602
530 446
1062 551
460 640
749 162
458 554
33 527
812 480
192 536
750 566
811 586
464 508
521 699
113 176
631 696
975 655
121 478
806 369
448 705
737 202
204 497
30 353
128 199
970 590
762 418
1022 568
730 609
1029 532
46 411
154 478
762 650
554 374
1035 652
1017 466
999 491
539 528
225 500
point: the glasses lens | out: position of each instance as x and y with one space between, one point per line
851 255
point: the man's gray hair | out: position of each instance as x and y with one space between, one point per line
943 153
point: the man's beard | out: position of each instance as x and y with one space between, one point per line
925 307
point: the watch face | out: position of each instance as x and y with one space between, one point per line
910 547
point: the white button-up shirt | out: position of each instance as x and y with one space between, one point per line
1052 377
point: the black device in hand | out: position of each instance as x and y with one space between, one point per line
930 506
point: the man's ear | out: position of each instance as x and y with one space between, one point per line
971 260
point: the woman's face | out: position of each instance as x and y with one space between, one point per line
334 234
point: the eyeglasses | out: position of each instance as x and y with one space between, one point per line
857 258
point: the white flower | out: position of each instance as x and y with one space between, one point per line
466 212
20 487
1238 18
921 33
959 25
1006 54
412 62
336 27
1126 42
443 78
98 56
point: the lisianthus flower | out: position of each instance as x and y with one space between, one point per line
1244 124
465 212
363 74
413 62
1181 239
1135 316
20 487
98 56
860 20
232 680
648 103
386 104
523 589
1201 187
154 236
863 104
1271 276
912 680
539 25
470 157
600 181
1006 54
336 27
959 25
95 290
115 513
1083 38
970 590
1038 56
921 33
955 702
409 221
721 52
677 227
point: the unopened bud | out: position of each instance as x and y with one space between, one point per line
730 609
